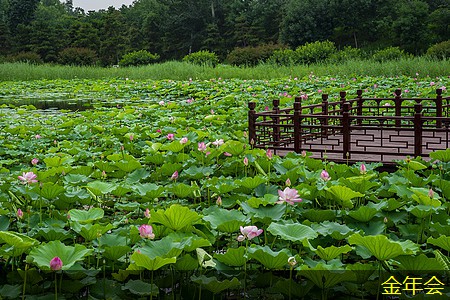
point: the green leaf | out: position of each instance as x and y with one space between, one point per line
383 248
215 286
69 255
205 259
165 247
251 182
20 242
335 230
181 190
363 214
50 190
265 214
140 288
176 217
233 257
99 188
224 220
442 242
326 276
186 263
149 190
332 252
174 146
86 216
128 165
270 259
292 232
116 252
144 261
234 147
442 155
418 264
90 231
343 195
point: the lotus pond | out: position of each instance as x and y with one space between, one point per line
153 192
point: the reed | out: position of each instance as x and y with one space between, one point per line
183 71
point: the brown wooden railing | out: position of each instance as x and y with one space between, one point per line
358 129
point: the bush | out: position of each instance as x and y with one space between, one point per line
440 50
138 58
27 57
78 57
349 53
315 52
202 58
283 57
251 56
390 53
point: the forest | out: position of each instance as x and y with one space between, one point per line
172 29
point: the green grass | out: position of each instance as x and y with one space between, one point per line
183 71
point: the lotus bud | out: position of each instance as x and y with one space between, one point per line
56 263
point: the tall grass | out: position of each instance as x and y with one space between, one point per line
183 71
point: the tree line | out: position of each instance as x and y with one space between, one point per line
174 28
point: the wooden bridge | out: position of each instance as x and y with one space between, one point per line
359 129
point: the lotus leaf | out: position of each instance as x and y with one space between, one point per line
326 276
269 258
186 263
383 248
442 242
69 255
343 195
176 217
233 257
140 288
20 243
418 264
292 232
224 220
215 286
86 216
332 252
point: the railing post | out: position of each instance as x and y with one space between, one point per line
297 127
360 102
418 129
342 95
276 121
251 124
398 106
438 102
346 130
324 121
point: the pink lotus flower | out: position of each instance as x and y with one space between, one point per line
218 143
325 176
227 154
170 136
431 193
189 100
250 232
245 161
37 136
184 140
304 96
432 83
363 169
19 213
174 175
289 196
158 130
147 213
202 146
219 201
161 102
303 154
288 182
28 177
266 108
131 137
56 263
146 231
269 154
34 161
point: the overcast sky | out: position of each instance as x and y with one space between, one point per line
88 5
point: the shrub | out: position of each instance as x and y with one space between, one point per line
390 53
138 58
202 58
283 57
27 57
78 57
310 53
349 53
440 50
251 56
